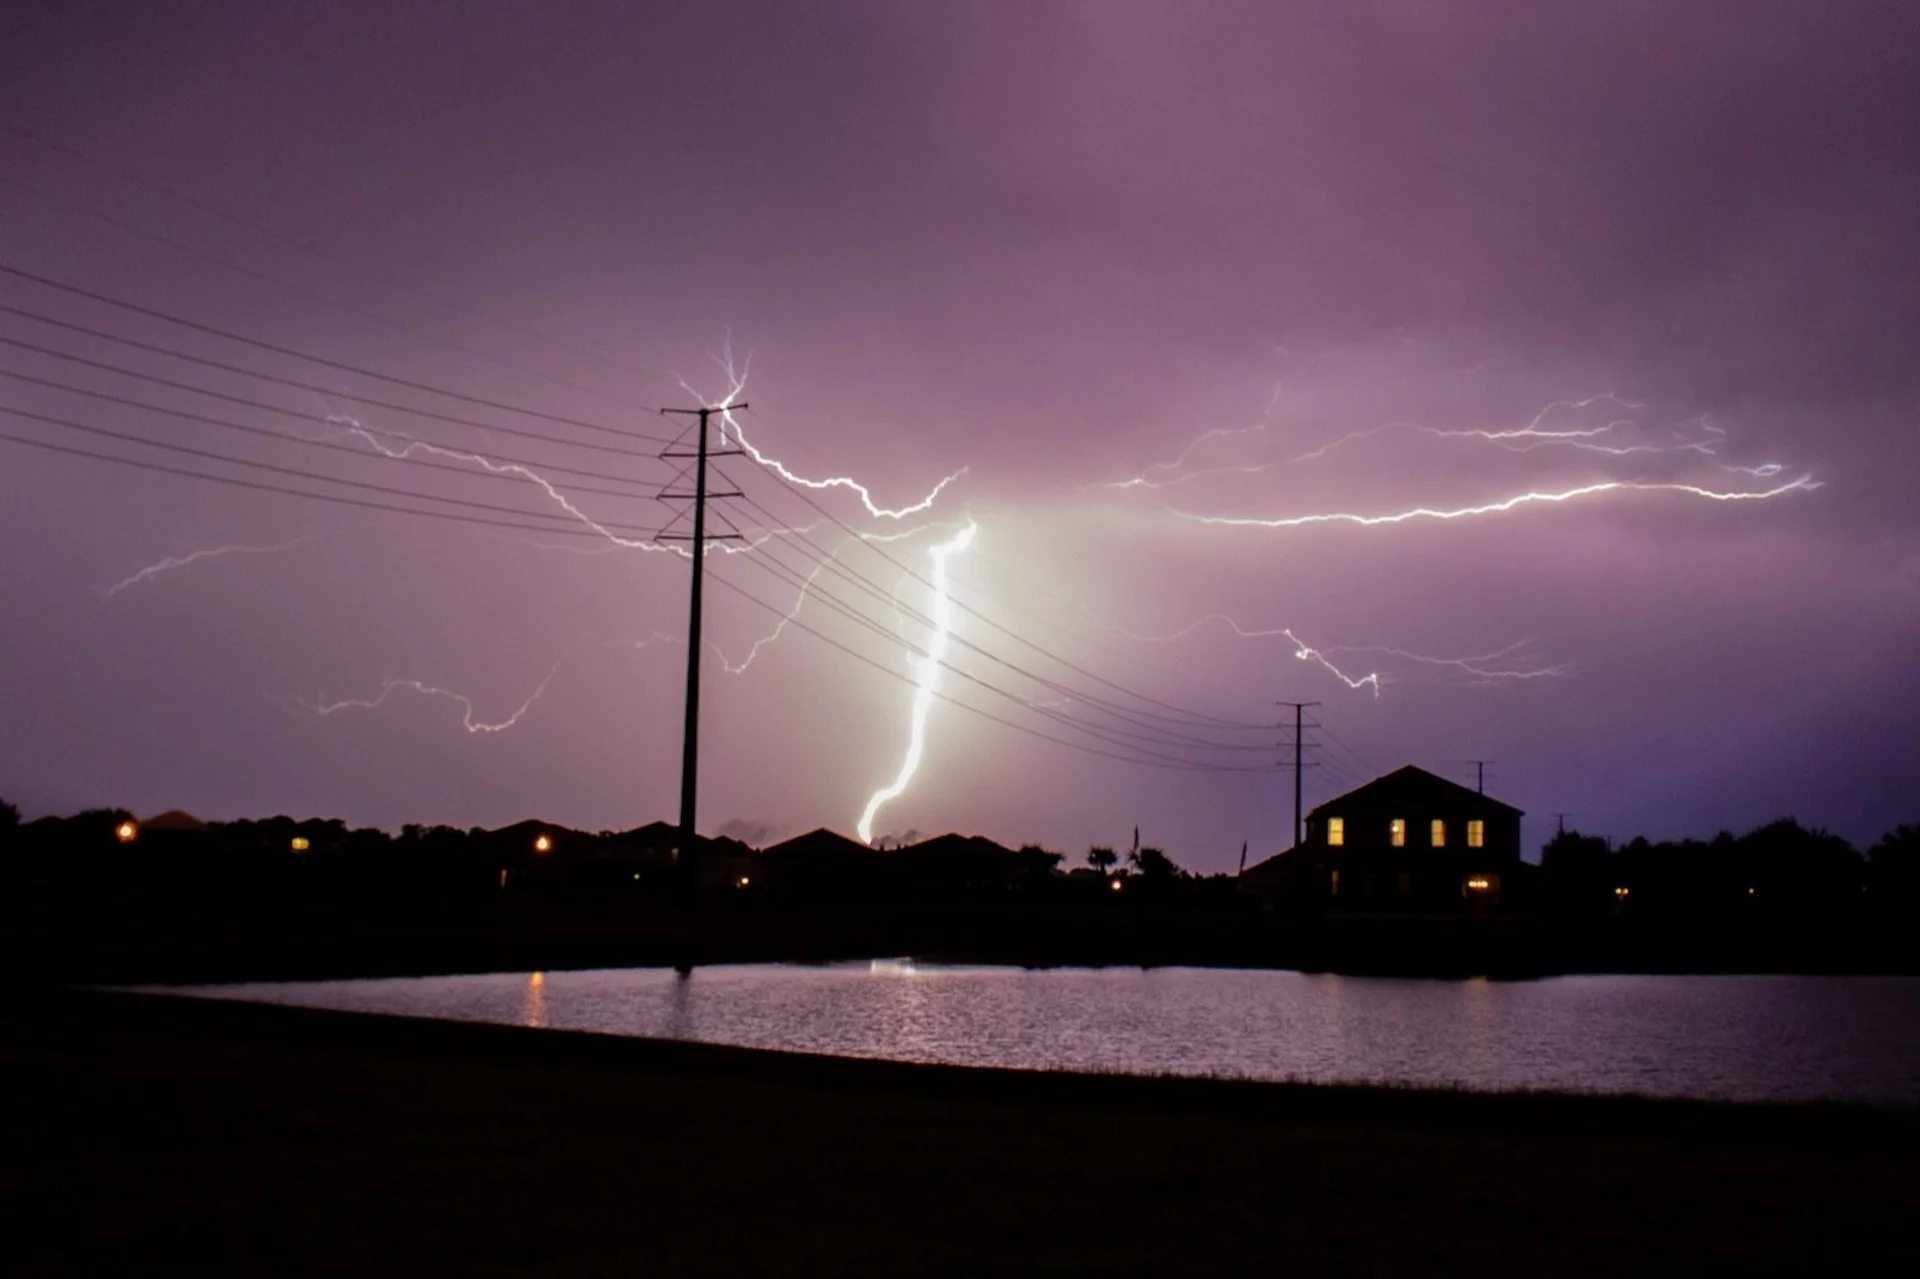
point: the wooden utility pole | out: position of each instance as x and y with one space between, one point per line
690 741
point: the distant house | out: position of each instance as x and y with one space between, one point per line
823 863
955 865
1408 840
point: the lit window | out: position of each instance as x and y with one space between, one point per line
1336 831
1476 834
1439 833
1479 885
300 844
1398 832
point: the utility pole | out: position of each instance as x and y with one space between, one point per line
690 743
1299 758
1562 819
1480 774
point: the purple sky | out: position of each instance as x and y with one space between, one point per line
1358 260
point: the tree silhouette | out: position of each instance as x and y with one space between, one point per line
1102 858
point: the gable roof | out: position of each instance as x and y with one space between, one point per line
1410 785
954 844
819 842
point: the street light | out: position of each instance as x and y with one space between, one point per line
125 832
541 844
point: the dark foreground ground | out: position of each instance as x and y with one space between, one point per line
158 1135
130 935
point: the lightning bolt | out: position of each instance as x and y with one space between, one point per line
468 719
1803 484
172 562
737 385
928 681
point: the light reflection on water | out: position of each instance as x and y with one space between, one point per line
1744 1038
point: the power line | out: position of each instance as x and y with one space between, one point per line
287 470
1149 732
283 438
323 361
337 499
138 345
965 706
313 294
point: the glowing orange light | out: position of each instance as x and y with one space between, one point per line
537 979
542 844
125 832
741 882
1479 885
1621 892
1114 884
300 844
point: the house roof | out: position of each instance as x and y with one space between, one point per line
820 842
954 844
174 819
1409 785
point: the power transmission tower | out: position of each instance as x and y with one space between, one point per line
1299 758
1480 774
690 743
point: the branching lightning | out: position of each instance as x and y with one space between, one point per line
1803 484
730 425
928 679
468 718
1509 663
172 562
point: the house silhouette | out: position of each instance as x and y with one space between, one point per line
1409 840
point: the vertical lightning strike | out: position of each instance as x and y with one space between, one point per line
929 679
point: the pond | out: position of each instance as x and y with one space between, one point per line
1749 1038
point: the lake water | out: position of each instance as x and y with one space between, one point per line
1741 1038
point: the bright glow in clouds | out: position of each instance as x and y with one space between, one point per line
929 679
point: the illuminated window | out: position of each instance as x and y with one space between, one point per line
1398 832
1479 885
1334 885
1439 833
300 844
1476 834
1336 831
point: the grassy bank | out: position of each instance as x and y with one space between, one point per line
147 935
156 1135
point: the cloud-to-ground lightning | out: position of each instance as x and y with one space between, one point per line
172 562
927 682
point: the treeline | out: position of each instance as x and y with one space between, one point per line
1781 869
110 848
